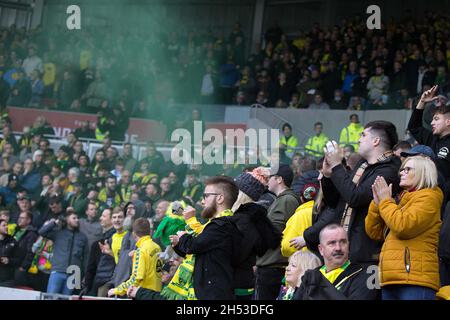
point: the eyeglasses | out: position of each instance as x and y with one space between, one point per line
406 170
206 195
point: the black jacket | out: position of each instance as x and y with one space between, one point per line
444 236
311 235
100 268
316 287
440 146
25 255
340 189
215 251
8 249
259 235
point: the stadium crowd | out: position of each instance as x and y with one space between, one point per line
310 228
303 229
340 67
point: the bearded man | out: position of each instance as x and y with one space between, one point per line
216 247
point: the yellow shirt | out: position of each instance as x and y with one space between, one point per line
295 226
49 74
147 268
11 228
334 274
117 244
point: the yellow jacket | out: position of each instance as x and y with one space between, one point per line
315 145
351 135
409 253
147 268
295 226
291 143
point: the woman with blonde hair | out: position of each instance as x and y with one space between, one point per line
299 263
409 267
259 234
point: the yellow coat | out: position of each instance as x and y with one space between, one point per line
412 240
147 268
295 226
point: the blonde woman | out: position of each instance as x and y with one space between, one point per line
409 268
259 233
299 263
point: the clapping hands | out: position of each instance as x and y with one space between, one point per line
381 190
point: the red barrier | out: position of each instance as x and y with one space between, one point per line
139 130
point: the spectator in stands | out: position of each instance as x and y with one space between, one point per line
349 79
9 192
438 139
20 95
91 226
154 158
32 62
318 103
339 278
401 146
167 193
360 84
25 235
314 146
259 234
31 178
127 157
109 195
7 159
70 249
301 220
101 263
37 89
146 263
67 91
299 263
349 192
84 131
4 90
409 235
8 255
309 175
288 142
338 102
229 75
194 188
378 87
215 248
270 266
351 133
54 210
8 137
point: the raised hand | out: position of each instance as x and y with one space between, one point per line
427 96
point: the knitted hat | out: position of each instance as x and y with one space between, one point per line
309 191
250 185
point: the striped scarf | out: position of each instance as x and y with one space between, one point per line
181 287
348 211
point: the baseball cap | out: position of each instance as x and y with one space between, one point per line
419 149
285 172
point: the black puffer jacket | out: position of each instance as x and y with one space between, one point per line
259 235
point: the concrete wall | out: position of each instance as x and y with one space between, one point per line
302 121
